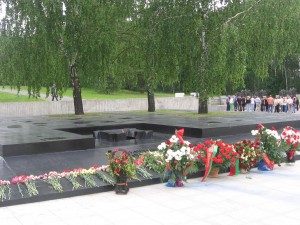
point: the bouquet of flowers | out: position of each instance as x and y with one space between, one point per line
121 167
221 157
121 163
29 182
290 137
87 176
5 187
154 160
140 169
53 178
249 154
272 151
179 159
100 172
71 176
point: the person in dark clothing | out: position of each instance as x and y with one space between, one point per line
243 102
266 104
239 103
227 103
53 92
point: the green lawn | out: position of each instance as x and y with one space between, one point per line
89 93
7 97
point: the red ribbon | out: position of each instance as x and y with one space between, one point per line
292 153
232 170
209 156
179 134
267 161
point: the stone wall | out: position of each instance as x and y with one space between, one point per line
95 106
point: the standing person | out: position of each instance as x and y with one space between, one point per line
294 106
231 103
248 104
243 102
257 103
277 104
297 103
280 104
284 104
252 104
289 104
262 106
227 103
53 92
239 103
235 103
270 103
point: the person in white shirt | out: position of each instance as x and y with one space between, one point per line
289 104
257 102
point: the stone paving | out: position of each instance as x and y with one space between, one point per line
264 198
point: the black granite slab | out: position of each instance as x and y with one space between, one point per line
54 136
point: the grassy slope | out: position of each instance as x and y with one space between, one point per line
7 97
89 93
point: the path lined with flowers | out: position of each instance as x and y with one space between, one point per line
176 159
267 198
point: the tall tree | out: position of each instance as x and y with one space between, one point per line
62 41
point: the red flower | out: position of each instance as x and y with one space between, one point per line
168 142
168 166
138 162
207 142
259 126
117 161
117 170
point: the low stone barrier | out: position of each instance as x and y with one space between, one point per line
95 106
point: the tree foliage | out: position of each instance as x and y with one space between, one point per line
207 46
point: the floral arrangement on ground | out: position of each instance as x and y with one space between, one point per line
173 159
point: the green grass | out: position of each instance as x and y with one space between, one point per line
91 94
88 93
7 97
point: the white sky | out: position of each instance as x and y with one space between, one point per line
2 10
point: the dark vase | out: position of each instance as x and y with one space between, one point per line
121 185
290 157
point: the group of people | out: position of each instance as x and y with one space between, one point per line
264 104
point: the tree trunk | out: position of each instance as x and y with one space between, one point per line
78 106
151 100
202 108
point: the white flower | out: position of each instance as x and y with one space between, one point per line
174 139
170 152
191 156
178 158
183 149
162 146
187 143
254 132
